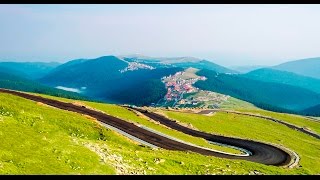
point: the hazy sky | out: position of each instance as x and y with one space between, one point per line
226 34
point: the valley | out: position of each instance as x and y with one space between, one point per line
159 89
167 116
181 82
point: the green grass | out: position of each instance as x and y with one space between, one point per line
307 147
123 113
233 103
242 106
217 99
37 139
290 118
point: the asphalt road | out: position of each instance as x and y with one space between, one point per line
261 153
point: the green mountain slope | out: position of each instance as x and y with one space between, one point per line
271 96
272 75
103 79
86 73
30 70
141 87
307 67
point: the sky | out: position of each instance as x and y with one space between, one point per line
229 35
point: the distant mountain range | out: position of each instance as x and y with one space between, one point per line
31 70
136 80
307 67
284 77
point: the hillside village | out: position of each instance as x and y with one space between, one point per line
182 93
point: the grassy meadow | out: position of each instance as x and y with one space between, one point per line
38 139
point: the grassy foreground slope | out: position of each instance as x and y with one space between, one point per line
37 139
307 147
123 113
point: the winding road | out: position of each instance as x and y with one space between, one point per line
261 153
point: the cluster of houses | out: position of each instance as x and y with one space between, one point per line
180 84
177 85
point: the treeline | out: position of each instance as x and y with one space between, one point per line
274 108
143 93
283 77
141 87
312 111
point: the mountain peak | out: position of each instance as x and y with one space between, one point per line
306 60
106 57
136 55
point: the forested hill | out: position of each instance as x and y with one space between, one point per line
283 77
141 87
312 111
104 78
85 73
271 96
